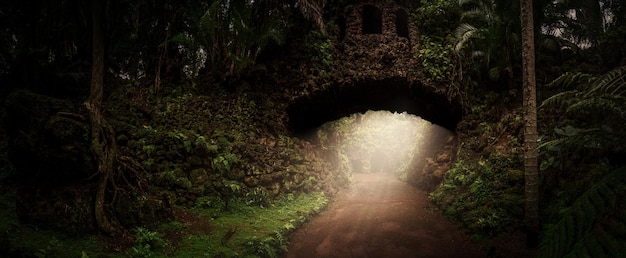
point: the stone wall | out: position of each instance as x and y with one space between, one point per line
374 56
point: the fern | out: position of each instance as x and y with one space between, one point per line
605 95
592 226
600 102
603 137
464 34
313 10
576 234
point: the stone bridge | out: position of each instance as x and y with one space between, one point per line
376 67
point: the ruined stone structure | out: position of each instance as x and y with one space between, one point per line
376 39
375 67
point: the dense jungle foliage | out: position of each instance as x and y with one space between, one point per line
204 163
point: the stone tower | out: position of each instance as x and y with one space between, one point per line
375 40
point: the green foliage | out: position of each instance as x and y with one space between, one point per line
206 202
146 243
172 179
53 248
257 197
233 34
436 59
485 195
435 18
172 226
18 240
318 48
258 231
270 246
28 241
599 102
224 162
592 223
580 232
489 37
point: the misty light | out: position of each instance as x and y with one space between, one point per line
378 141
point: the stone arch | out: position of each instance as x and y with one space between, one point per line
372 20
402 23
309 112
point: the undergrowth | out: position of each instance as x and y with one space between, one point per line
250 231
240 231
485 187
485 195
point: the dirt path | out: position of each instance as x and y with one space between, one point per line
380 216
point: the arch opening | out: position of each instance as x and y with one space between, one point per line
395 95
389 144
372 20
416 126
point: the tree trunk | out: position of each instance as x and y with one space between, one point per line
102 135
530 127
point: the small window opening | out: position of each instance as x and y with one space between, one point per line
372 20
402 23
341 22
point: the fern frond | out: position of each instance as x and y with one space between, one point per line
466 2
560 99
494 72
603 96
313 10
608 106
602 137
474 13
570 80
463 34
573 233
613 83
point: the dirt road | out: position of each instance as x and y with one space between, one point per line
380 216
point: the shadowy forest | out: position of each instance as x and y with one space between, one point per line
167 128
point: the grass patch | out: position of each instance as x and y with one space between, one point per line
251 231
240 231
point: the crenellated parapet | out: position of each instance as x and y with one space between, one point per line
376 39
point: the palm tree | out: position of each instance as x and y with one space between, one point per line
489 35
530 126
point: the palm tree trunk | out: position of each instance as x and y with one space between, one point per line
530 127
